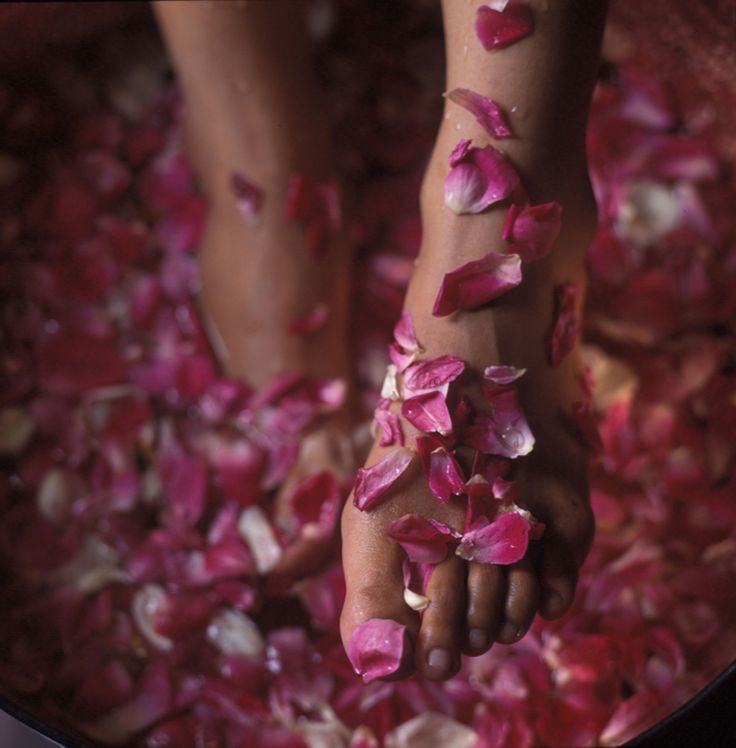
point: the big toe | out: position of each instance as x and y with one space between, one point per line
372 563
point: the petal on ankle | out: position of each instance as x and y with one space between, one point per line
445 475
497 29
486 111
478 178
478 282
432 374
376 648
428 412
405 335
503 541
373 482
312 322
390 425
533 229
248 197
567 325
423 540
503 374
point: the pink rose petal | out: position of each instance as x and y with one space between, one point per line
376 648
390 425
478 282
428 412
489 114
424 540
248 197
432 374
567 325
505 432
504 541
312 322
315 504
372 483
502 374
533 229
445 475
317 207
404 333
478 178
497 29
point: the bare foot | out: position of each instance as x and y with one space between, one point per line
274 264
471 604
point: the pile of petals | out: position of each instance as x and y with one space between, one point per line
136 498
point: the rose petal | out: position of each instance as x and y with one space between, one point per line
460 151
372 482
404 333
503 541
428 412
478 282
497 29
256 531
505 432
489 114
234 633
566 325
480 178
503 374
315 503
445 475
414 600
390 425
424 540
390 386
248 197
533 229
312 322
376 648
432 374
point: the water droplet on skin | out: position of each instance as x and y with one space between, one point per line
465 50
513 109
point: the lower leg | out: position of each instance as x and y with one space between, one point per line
253 106
544 82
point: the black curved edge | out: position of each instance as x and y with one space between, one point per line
708 719
56 735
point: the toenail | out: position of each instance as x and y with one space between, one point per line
510 632
439 659
554 600
477 639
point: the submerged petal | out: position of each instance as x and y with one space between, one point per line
478 282
372 482
497 29
428 412
376 648
533 229
503 541
424 540
489 114
567 325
